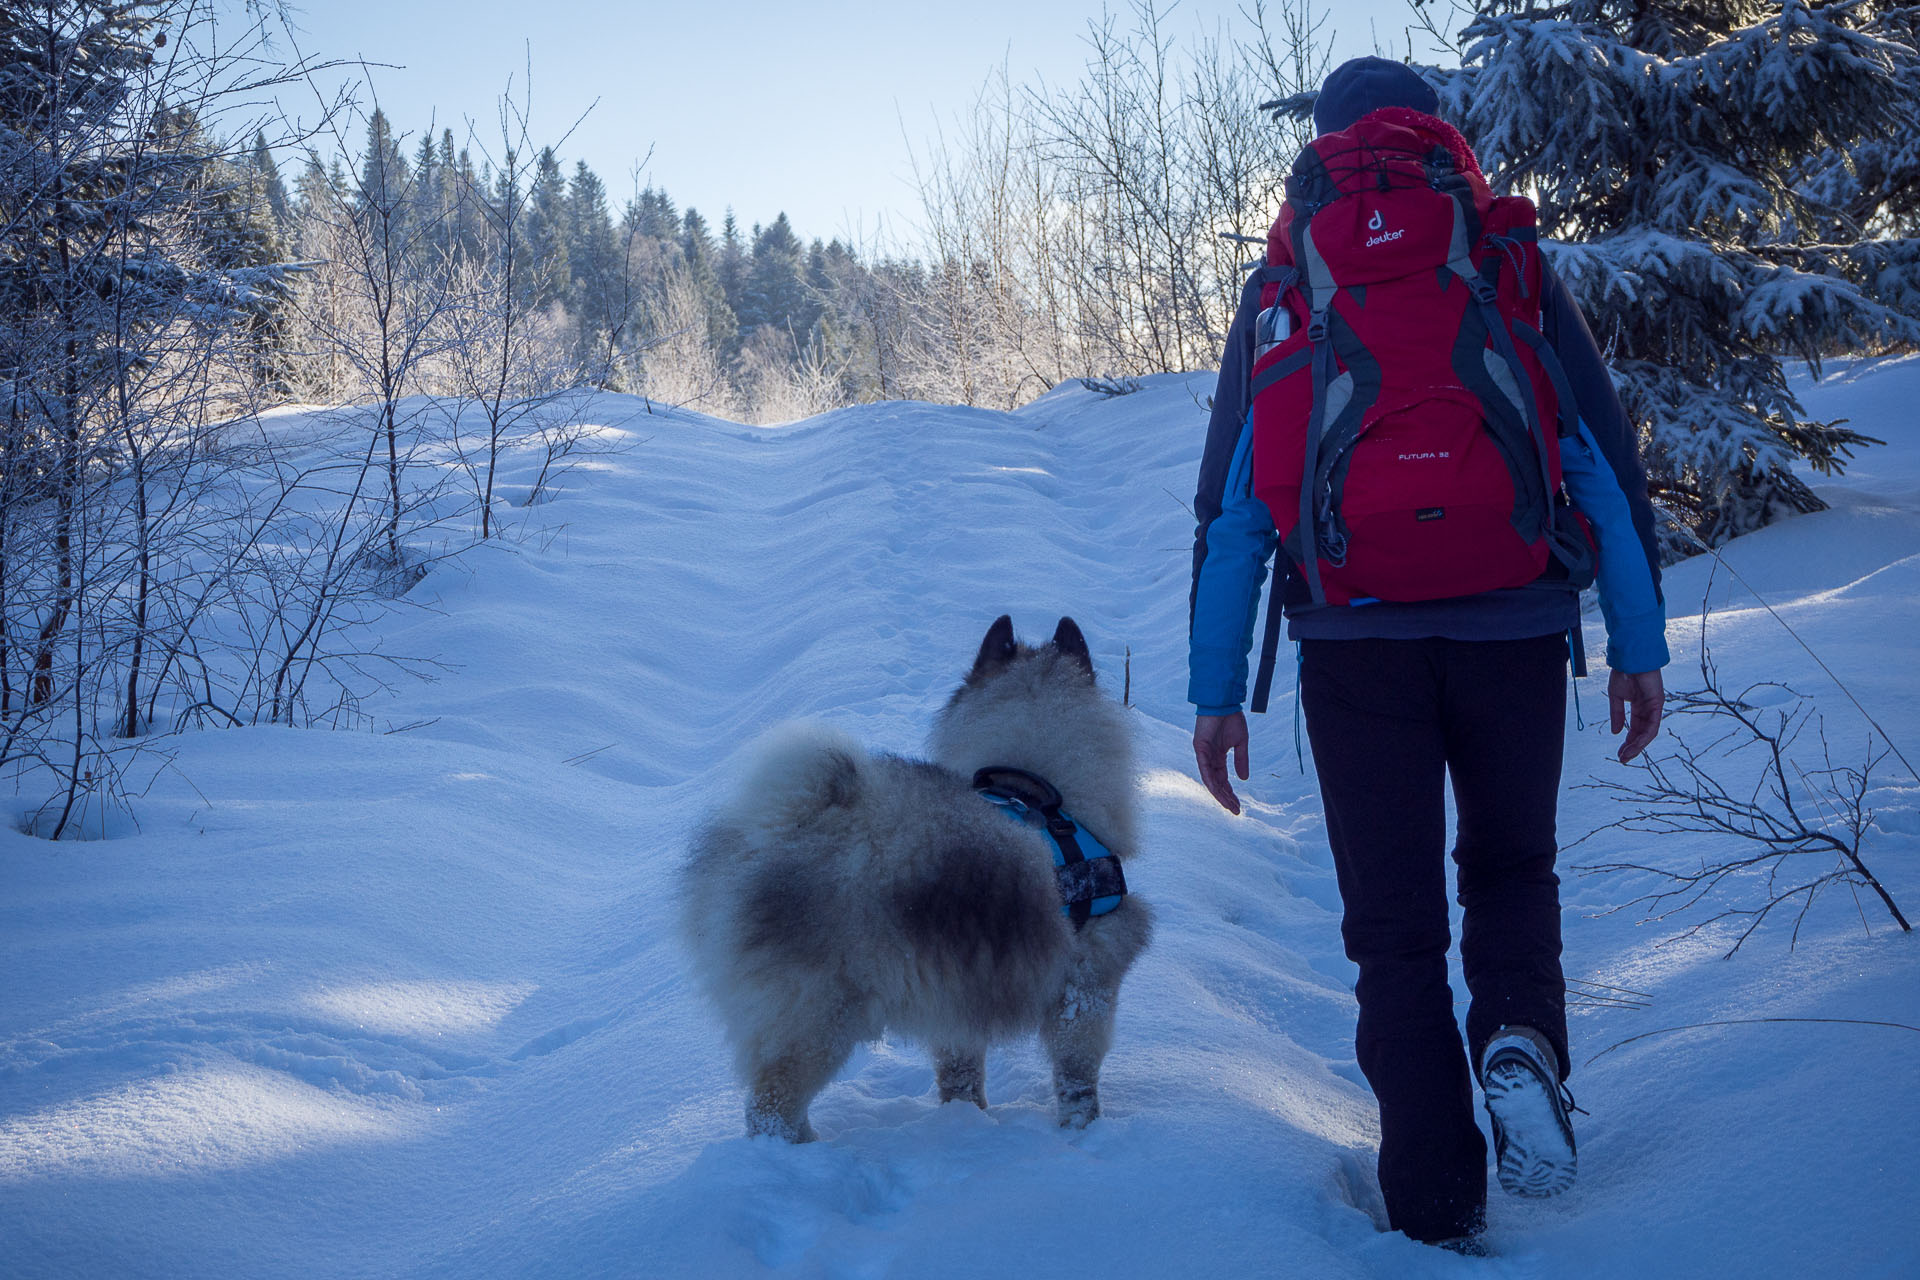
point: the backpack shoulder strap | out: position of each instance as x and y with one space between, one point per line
1284 276
1270 640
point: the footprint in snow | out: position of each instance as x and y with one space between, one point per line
785 1197
1351 1184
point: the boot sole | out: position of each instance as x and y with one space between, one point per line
1536 1151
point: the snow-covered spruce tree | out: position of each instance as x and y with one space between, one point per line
133 268
1714 173
1867 194
64 81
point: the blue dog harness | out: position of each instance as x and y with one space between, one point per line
1086 872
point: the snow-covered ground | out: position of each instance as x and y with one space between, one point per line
364 1003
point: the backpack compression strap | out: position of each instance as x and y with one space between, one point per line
1540 518
1569 544
1321 288
1269 642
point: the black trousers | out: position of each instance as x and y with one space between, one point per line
1390 722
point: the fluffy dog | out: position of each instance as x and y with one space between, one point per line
841 893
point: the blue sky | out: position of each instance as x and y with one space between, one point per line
764 107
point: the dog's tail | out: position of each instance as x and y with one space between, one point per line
799 770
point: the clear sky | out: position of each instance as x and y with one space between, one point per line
762 106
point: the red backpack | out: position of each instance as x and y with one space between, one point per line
1403 398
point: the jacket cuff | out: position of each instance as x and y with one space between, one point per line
1216 677
1638 643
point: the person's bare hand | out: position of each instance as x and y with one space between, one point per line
1213 737
1635 702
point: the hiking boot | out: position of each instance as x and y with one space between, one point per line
1532 1135
1473 1246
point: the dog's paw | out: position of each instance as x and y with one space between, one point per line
1079 1106
763 1123
976 1095
962 1077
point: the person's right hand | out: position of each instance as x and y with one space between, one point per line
1213 737
1635 702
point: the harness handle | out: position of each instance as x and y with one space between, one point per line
1031 789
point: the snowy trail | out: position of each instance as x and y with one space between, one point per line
869 550
410 1004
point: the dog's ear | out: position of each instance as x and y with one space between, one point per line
998 649
1068 640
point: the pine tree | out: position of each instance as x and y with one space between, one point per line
597 268
1866 194
653 216
506 216
61 75
230 228
701 256
428 197
696 241
590 242
129 249
384 179
846 334
466 195
819 282
312 187
776 294
549 272
1672 146
273 188
731 268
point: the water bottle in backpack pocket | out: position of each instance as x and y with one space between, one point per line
1273 327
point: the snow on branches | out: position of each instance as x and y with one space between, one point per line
1731 184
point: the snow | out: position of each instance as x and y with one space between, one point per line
409 1003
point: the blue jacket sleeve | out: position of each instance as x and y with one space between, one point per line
1635 617
1607 482
1565 328
1234 536
1236 545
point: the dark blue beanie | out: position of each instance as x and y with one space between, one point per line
1367 84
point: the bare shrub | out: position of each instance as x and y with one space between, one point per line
1781 833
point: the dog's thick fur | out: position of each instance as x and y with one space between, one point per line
842 893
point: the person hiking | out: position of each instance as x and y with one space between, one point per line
1433 638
